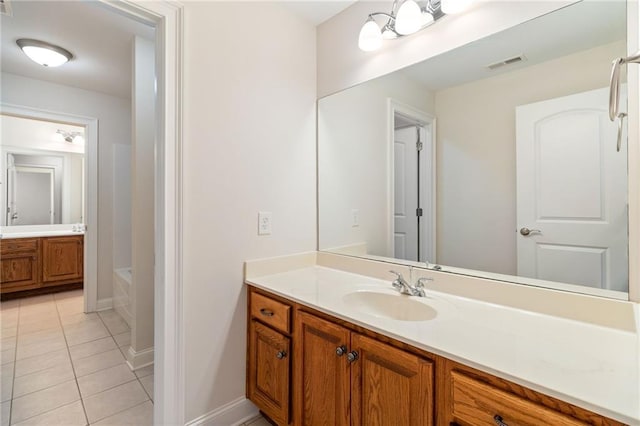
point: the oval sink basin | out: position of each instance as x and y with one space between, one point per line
392 306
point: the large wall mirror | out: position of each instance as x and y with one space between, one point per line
496 159
42 172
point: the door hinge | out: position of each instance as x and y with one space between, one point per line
419 212
419 146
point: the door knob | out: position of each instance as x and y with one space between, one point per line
352 356
526 231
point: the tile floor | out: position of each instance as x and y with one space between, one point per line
61 366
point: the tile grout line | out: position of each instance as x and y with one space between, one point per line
75 377
15 355
118 412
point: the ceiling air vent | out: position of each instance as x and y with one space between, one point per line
505 62
5 7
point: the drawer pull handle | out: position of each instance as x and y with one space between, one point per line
498 420
266 312
352 356
341 350
281 355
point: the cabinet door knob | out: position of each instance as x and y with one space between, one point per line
266 312
352 356
498 419
281 354
341 350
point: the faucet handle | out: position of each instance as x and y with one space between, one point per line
420 282
398 274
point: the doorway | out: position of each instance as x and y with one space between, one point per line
412 183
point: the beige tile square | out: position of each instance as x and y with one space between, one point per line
97 362
71 294
102 380
123 339
144 371
67 415
45 400
39 336
38 325
43 346
5 411
94 347
85 333
9 304
43 299
114 400
9 330
147 384
7 343
140 415
70 320
70 307
8 355
42 362
114 322
42 379
6 383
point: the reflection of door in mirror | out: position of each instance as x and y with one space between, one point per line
31 195
412 177
571 192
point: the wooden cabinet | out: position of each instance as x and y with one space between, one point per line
33 264
62 259
269 357
346 375
20 264
322 372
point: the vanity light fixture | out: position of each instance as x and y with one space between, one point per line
43 53
406 17
70 137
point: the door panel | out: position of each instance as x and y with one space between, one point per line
405 201
62 259
572 187
322 376
390 386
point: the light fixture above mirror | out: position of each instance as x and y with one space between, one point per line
70 137
43 53
406 17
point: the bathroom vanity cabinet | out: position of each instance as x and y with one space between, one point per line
40 264
305 367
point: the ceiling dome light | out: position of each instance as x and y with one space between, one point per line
44 53
409 18
451 7
370 36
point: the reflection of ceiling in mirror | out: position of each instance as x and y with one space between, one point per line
542 39
31 134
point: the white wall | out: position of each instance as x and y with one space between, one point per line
249 145
142 182
476 173
121 206
113 114
353 159
342 64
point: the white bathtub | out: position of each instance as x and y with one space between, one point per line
121 293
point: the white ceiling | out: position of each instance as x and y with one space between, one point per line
317 11
593 23
99 39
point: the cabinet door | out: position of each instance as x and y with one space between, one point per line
20 271
269 367
322 382
390 386
62 259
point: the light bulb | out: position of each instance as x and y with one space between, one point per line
388 34
79 139
58 137
451 7
370 36
408 20
426 19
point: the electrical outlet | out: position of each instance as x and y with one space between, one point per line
264 223
355 218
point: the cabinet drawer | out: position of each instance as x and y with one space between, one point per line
272 312
18 245
479 404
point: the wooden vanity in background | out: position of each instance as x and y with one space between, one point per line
40 265
305 367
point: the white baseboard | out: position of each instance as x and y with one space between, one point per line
234 413
137 360
104 304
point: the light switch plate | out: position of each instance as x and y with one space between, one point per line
264 223
355 218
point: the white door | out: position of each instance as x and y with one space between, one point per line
571 192
405 194
32 195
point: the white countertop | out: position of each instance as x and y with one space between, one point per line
35 234
591 366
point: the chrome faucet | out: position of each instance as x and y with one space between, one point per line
405 288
